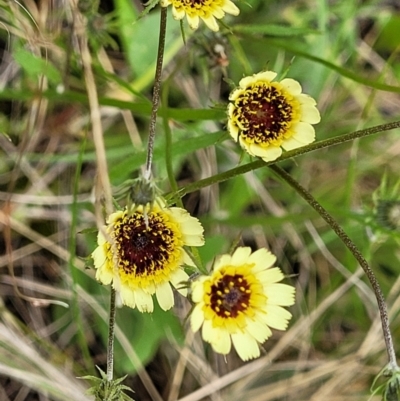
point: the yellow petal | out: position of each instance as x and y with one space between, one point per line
178 14
292 86
246 346
198 289
267 154
221 341
127 296
218 13
304 135
179 279
193 21
266 76
211 23
276 317
280 294
223 260
258 330
304 132
247 146
230 8
233 96
233 130
165 296
187 260
192 227
262 259
114 217
193 240
144 301
309 114
99 256
104 272
241 256
207 331
196 318
270 276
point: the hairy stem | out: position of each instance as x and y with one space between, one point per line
111 333
156 92
195 186
356 253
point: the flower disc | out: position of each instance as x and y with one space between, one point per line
141 251
240 301
265 115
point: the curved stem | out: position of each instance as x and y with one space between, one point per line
195 186
356 253
156 92
111 332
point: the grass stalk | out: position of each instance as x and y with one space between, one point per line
156 92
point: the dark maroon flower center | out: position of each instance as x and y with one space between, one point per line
263 114
193 3
143 249
230 295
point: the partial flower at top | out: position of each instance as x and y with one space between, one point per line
140 251
240 301
266 115
207 10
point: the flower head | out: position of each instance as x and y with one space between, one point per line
207 10
390 388
140 251
266 115
387 204
240 301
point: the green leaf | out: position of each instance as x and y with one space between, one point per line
214 245
136 34
105 390
388 39
34 66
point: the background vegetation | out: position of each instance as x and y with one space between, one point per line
346 54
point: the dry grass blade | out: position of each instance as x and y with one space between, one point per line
21 361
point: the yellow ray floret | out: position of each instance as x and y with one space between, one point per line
140 252
240 301
265 116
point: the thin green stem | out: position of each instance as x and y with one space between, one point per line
111 335
195 186
156 92
356 253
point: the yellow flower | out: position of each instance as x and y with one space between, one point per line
240 301
207 10
140 251
266 115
